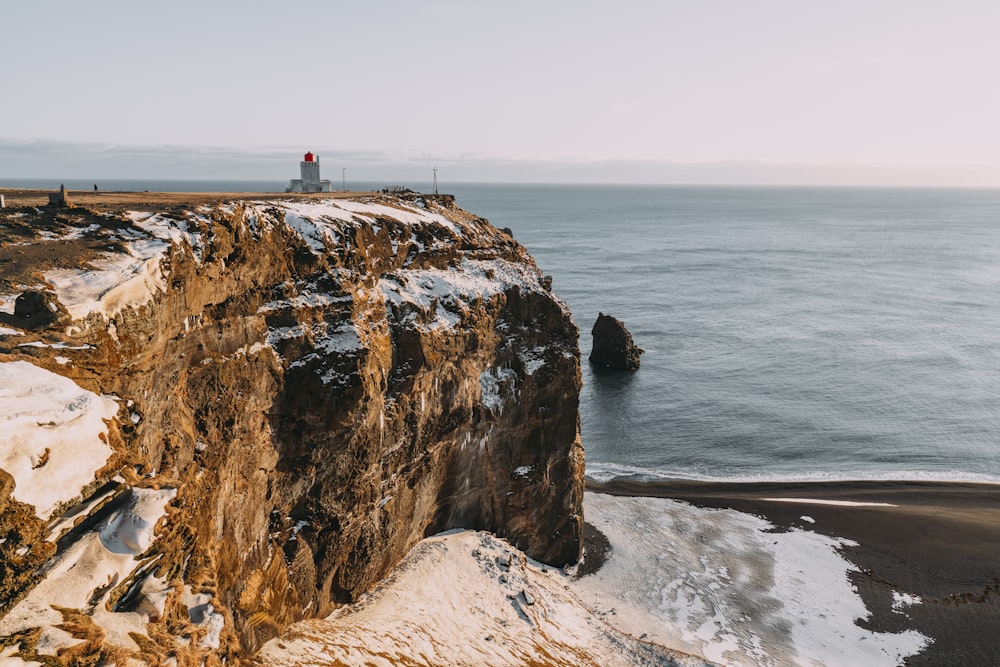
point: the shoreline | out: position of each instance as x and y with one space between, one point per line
939 541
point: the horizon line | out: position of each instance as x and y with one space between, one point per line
570 183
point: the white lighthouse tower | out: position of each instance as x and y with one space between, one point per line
310 181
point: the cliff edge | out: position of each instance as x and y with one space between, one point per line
222 419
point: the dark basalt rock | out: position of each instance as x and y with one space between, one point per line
613 346
36 309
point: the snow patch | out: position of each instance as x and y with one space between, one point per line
8 658
838 503
52 435
66 522
447 293
276 335
130 529
252 350
169 230
70 235
342 338
902 600
463 598
84 574
55 346
533 359
214 624
313 233
318 213
495 385
305 299
411 215
114 282
7 302
201 612
719 584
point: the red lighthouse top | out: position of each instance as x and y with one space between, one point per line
309 157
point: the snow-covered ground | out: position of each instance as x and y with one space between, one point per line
711 583
447 292
113 282
310 217
7 303
9 658
52 435
465 598
719 584
82 576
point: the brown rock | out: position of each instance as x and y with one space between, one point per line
318 419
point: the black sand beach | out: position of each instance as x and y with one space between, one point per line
937 541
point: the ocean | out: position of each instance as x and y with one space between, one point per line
789 333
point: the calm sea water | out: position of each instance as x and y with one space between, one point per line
790 333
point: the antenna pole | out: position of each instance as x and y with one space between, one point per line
435 180
343 176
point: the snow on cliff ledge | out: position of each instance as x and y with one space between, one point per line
466 598
131 278
52 435
83 575
113 282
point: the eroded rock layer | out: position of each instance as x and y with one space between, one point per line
305 389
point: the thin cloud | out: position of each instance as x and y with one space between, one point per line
60 159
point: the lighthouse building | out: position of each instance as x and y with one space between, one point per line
310 181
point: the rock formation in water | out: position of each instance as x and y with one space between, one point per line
232 417
613 346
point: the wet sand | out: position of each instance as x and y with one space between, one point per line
937 541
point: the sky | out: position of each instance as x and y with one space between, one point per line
894 92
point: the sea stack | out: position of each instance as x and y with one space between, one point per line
613 346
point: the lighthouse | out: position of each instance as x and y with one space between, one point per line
310 181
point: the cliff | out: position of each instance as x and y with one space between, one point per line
219 420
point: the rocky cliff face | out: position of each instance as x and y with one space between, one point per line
303 389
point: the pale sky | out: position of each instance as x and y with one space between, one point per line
873 91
